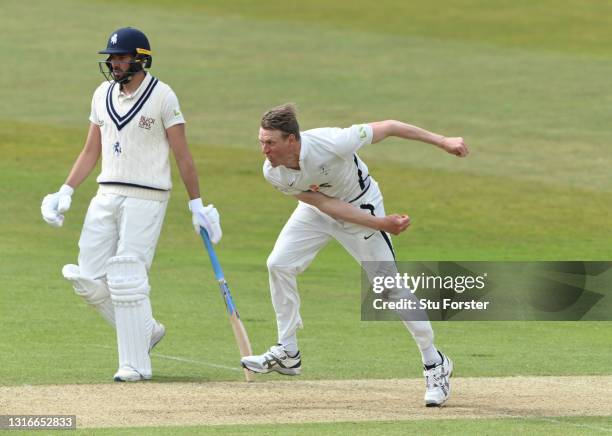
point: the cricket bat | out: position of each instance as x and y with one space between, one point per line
240 334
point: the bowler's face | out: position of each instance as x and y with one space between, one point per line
274 146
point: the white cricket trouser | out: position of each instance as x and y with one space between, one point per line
119 226
306 232
126 230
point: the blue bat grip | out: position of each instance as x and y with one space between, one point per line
211 254
225 292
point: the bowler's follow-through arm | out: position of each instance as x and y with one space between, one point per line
340 210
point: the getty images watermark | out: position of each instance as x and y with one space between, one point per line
476 291
412 284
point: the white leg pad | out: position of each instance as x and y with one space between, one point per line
94 291
129 289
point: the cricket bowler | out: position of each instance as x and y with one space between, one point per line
339 199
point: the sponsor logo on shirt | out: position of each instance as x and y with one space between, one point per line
362 132
146 123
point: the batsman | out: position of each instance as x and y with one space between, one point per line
337 198
135 121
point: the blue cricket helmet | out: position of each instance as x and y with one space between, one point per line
127 40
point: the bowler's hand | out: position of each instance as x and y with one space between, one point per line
455 146
206 217
54 205
394 224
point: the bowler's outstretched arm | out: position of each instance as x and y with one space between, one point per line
384 129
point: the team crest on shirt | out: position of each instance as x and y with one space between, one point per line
117 149
146 123
323 170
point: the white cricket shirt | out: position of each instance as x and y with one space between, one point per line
328 164
135 148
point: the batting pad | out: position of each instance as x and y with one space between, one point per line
129 288
93 291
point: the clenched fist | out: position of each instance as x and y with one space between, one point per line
455 146
394 224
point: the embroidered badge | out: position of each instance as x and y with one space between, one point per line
146 123
117 149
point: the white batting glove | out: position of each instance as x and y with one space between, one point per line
206 217
54 205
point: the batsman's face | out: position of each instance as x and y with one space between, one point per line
274 146
120 64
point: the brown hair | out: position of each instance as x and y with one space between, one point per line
282 118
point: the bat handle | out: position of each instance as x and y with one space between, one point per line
211 254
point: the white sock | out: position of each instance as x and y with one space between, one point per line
430 356
290 345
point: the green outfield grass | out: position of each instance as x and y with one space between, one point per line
526 83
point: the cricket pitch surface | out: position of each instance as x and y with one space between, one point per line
295 400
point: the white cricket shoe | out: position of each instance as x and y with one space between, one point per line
128 374
159 331
275 359
437 380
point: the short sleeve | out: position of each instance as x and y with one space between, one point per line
287 190
347 141
171 111
93 116
271 178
